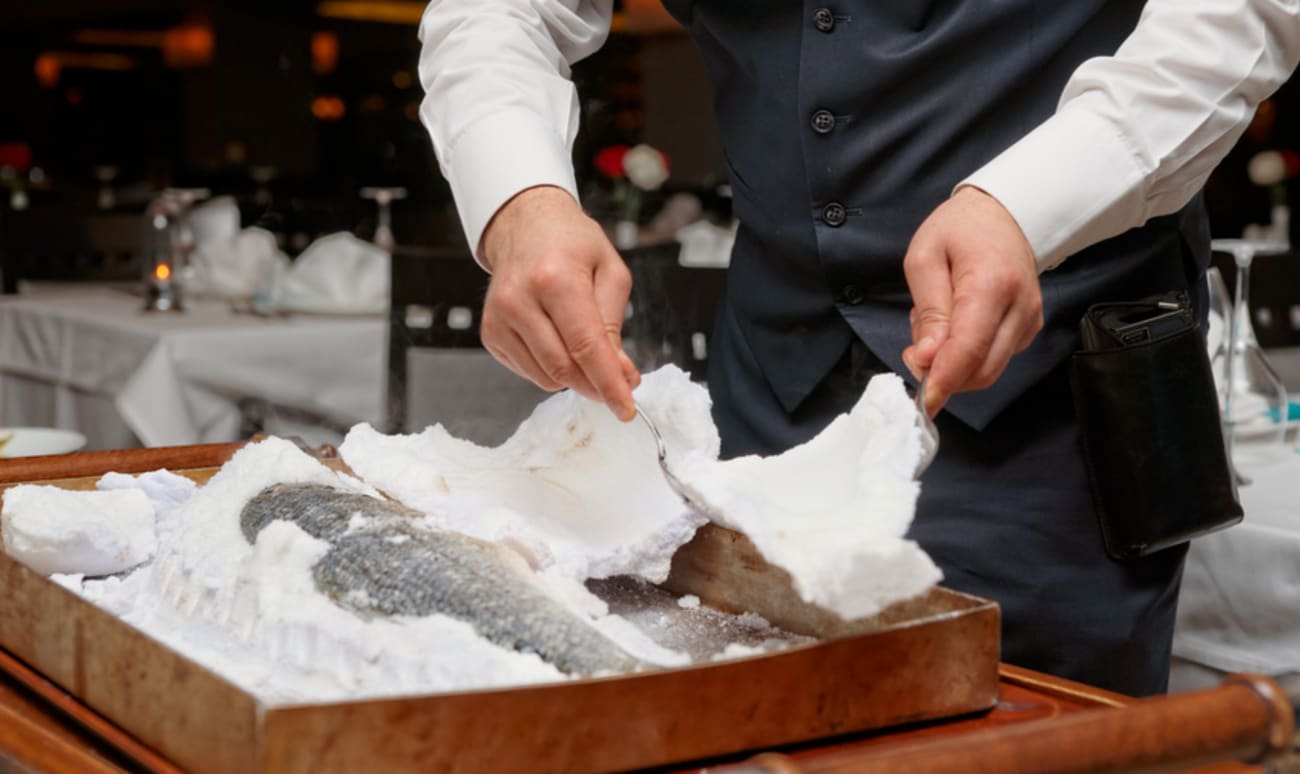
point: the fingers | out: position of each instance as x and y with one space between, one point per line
570 303
976 296
555 304
512 352
556 340
968 360
988 327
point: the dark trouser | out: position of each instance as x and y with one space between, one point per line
1005 512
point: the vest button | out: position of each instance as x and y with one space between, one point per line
823 121
852 295
824 19
833 214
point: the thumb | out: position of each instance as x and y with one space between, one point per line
930 281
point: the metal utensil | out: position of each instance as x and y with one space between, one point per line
929 433
685 491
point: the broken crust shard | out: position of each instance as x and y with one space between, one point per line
833 512
581 494
575 491
54 530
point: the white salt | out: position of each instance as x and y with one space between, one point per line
53 530
834 512
581 494
253 614
574 490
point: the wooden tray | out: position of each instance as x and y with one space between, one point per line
929 658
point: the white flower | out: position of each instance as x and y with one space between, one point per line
646 167
1267 168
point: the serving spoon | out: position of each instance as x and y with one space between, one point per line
685 491
929 432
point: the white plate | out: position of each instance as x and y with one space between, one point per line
32 441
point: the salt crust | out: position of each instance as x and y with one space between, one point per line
56 530
833 512
581 495
574 490
592 504
253 614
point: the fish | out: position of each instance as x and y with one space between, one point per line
382 562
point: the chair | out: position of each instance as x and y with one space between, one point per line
438 370
36 244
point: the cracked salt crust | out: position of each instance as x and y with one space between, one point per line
64 531
581 494
577 493
574 490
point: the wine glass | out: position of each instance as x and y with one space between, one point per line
384 197
1253 398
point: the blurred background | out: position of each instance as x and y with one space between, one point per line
291 107
292 124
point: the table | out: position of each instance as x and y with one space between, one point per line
86 357
48 730
1240 604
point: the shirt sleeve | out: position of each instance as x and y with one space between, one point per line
1136 134
498 101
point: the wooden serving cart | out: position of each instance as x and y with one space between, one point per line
917 689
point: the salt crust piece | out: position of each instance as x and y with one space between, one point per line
581 495
574 490
833 512
53 530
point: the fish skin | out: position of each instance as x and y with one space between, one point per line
388 565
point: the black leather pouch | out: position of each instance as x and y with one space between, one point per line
1149 421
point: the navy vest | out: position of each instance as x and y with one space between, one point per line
846 122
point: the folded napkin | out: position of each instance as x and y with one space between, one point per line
238 265
214 220
705 245
336 274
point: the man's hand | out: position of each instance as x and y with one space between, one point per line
975 295
555 305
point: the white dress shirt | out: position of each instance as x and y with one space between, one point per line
1134 136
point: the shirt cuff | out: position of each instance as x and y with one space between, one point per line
1072 182
498 156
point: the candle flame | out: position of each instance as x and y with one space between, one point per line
162 271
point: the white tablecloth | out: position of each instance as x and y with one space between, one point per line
87 358
1239 610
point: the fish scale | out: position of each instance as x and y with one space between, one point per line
389 566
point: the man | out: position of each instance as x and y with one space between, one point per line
910 178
